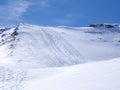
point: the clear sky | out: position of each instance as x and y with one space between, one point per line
59 12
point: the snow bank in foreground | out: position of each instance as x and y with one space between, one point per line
103 75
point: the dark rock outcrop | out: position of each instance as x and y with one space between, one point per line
104 25
8 35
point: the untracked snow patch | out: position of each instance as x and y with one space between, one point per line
91 76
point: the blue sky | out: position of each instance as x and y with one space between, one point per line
59 12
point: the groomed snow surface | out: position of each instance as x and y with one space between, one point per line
60 58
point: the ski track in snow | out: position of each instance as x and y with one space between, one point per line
54 50
61 52
57 45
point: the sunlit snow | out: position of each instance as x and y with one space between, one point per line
59 58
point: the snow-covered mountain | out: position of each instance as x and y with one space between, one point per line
25 49
40 46
58 46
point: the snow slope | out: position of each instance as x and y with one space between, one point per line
91 76
42 46
70 56
102 75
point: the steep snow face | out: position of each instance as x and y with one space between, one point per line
39 46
